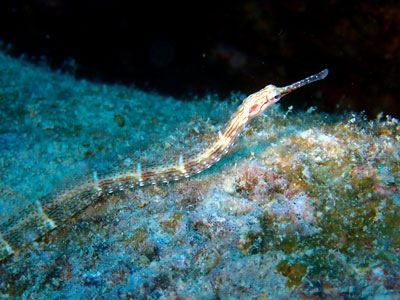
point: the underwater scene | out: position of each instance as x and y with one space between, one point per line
111 190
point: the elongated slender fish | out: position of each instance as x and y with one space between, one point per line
48 212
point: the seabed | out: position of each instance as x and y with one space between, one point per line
306 205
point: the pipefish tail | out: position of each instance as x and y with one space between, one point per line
46 213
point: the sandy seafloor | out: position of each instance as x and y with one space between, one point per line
306 205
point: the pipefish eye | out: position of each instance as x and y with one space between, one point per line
276 98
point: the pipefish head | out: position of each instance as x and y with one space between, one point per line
259 101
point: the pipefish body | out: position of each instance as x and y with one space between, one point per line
46 213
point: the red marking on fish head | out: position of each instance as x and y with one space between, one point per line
254 109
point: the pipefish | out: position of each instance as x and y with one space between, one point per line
48 212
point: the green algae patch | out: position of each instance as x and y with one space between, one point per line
392 219
119 119
171 224
252 243
139 236
293 272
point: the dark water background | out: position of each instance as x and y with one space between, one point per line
216 47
